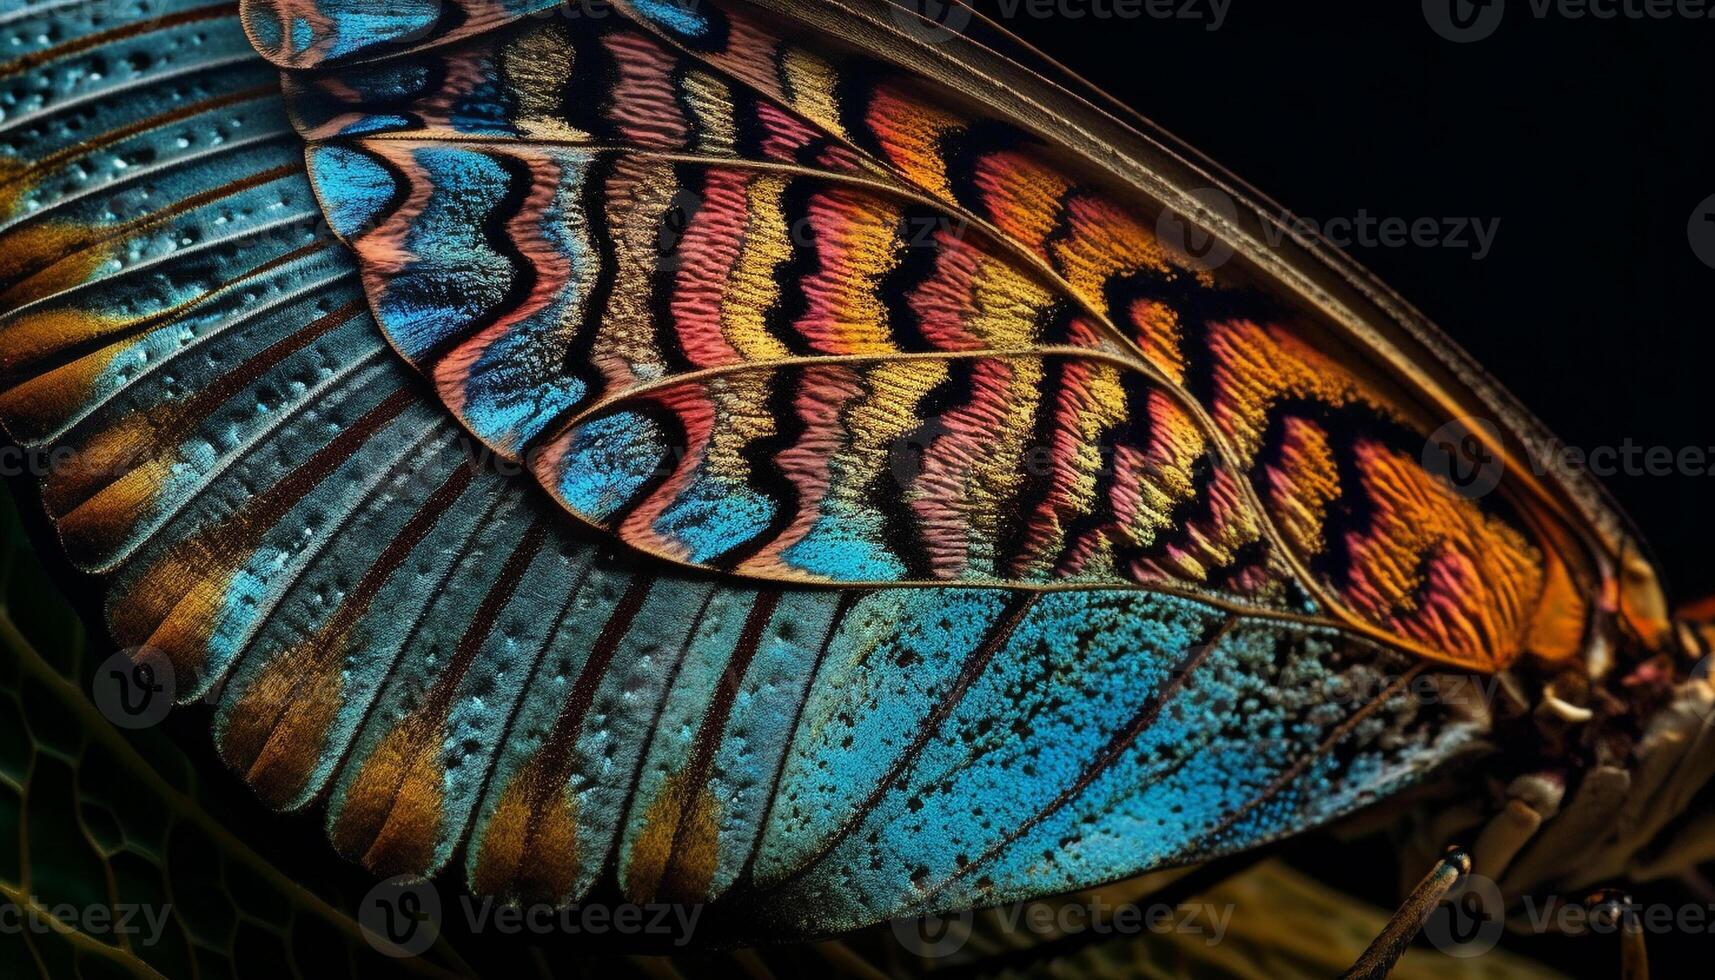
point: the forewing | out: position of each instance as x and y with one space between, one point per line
748 297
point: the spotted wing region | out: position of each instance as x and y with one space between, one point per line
748 297
473 685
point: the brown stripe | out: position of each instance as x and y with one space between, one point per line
439 699
726 692
114 135
557 747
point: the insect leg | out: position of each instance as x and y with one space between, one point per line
1379 959
1610 908
1506 833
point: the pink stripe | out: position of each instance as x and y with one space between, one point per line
708 252
823 394
645 105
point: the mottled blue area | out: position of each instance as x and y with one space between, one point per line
379 123
714 515
354 188
679 16
456 275
1078 668
607 461
485 110
759 729
997 807
268 32
846 547
878 685
303 35
519 383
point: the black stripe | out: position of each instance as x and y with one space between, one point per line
899 528
790 301
764 474
916 254
1037 465
494 232
671 231
1136 431
964 150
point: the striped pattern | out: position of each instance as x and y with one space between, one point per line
751 301
1117 662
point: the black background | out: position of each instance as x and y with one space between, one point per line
1592 141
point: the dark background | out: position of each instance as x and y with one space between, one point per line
1592 142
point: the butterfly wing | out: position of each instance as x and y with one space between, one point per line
780 664
702 266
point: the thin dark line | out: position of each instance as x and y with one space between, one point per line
1110 753
841 608
1303 762
975 664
